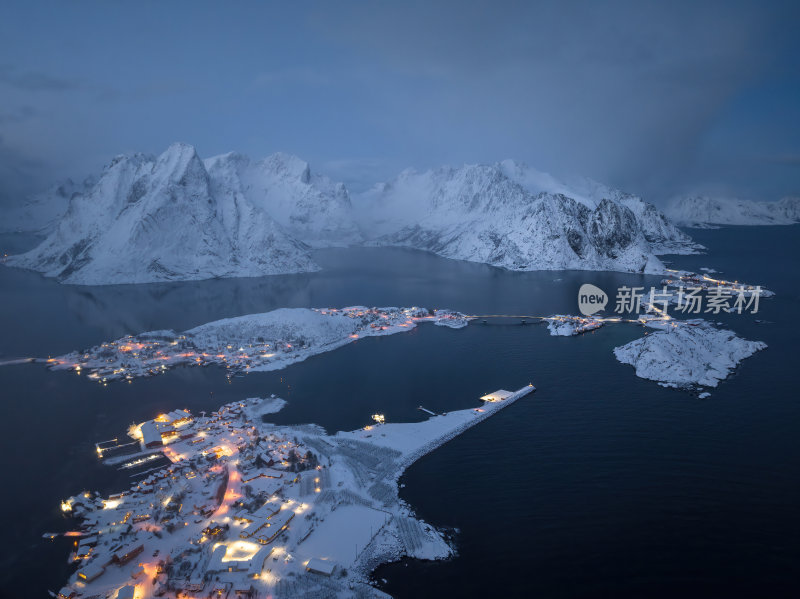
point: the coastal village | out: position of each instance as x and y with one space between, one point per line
685 278
246 509
249 343
229 506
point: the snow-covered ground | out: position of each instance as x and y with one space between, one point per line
686 354
703 211
255 342
249 507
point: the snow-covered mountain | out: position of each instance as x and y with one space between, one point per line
512 216
309 206
177 217
700 211
40 212
163 218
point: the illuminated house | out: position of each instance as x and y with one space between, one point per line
273 527
165 428
498 395
238 556
126 554
214 529
151 436
320 566
178 418
91 572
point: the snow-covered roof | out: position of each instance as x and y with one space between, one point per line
179 415
320 566
215 563
150 433
498 395
91 572
127 592
268 509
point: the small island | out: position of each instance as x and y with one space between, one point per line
255 342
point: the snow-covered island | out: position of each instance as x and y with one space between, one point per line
682 354
243 508
687 354
255 342
686 279
562 325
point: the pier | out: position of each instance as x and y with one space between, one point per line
12 362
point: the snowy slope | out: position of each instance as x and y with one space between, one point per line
308 206
158 219
512 216
702 210
41 212
176 217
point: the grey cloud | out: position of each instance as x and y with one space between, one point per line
18 115
35 81
786 159
624 92
359 174
20 174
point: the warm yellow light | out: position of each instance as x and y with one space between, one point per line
110 504
268 577
239 551
135 432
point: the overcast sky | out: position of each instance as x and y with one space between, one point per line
655 98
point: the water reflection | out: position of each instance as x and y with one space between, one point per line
42 317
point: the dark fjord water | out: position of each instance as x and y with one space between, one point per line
600 484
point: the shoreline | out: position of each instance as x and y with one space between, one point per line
326 492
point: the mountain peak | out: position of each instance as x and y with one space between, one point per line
178 153
290 166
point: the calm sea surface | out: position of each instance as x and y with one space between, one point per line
600 484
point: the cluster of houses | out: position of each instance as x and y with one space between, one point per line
223 492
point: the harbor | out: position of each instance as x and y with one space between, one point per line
242 508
